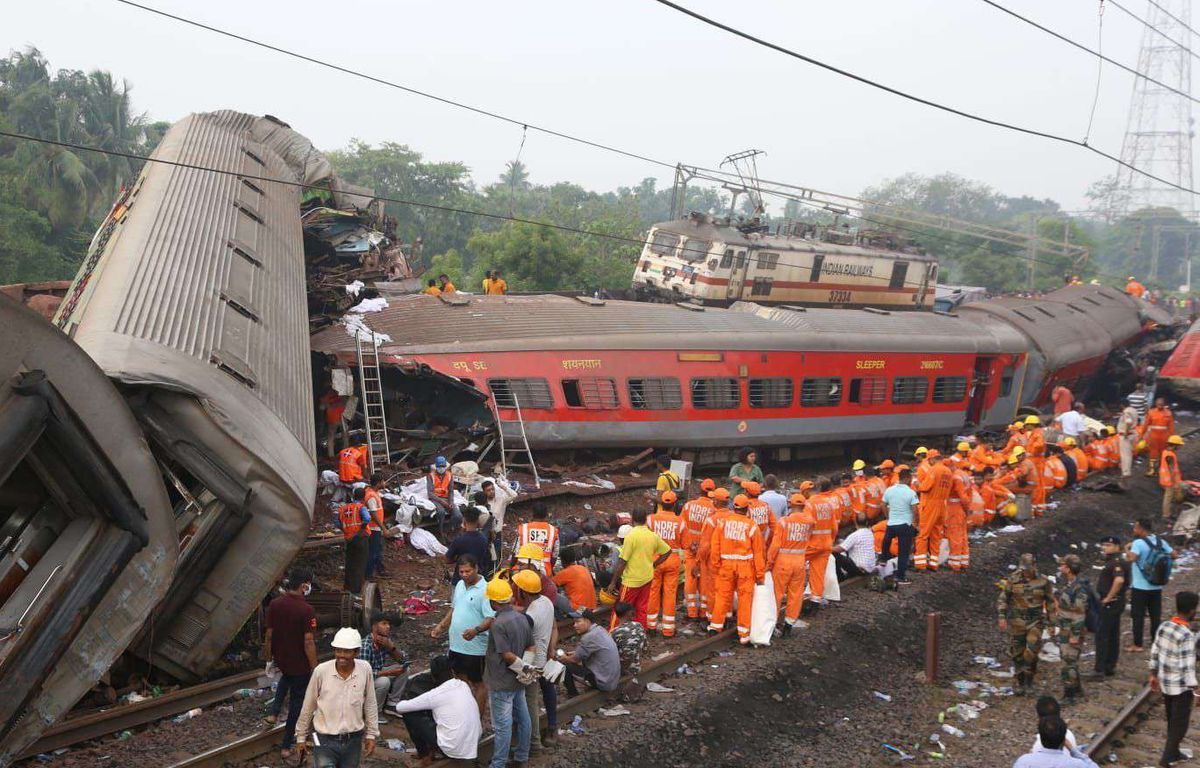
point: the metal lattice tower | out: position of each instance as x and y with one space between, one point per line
1158 137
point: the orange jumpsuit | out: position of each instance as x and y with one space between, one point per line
737 558
1134 288
1169 479
1160 424
982 456
845 505
1035 446
858 495
1082 466
823 509
873 497
935 490
878 530
708 574
351 463
764 517
1098 455
961 491
785 561
665 586
695 513
1054 474
994 496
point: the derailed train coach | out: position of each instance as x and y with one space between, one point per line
589 373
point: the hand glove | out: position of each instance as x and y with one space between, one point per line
554 671
528 677
519 666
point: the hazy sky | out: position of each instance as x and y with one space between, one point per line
638 75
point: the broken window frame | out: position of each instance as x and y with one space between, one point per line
593 393
654 393
868 390
821 392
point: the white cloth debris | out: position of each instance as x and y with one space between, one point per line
355 288
1011 529
614 711
763 614
356 327
370 305
656 688
426 542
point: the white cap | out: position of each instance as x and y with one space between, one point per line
347 638
623 531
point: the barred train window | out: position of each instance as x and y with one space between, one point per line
949 389
655 394
821 392
527 393
715 393
664 243
770 393
761 286
909 390
591 393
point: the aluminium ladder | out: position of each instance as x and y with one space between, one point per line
514 443
374 415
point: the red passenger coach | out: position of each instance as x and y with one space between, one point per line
589 373
1181 373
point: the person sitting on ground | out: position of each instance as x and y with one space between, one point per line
630 638
855 556
575 580
387 663
1052 732
595 659
472 542
431 288
439 489
1048 706
420 724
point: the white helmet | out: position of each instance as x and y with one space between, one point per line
623 531
347 638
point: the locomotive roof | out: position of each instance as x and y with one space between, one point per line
430 325
733 236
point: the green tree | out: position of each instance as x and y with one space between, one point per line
532 258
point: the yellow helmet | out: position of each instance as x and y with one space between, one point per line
921 451
1110 430
528 581
1013 459
1010 509
859 464
1175 440
499 590
1032 419
1016 425
1069 442
1141 446
531 552
963 446
1019 451
608 598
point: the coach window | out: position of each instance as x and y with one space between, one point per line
1006 382
727 259
821 392
899 275
646 266
949 389
526 393
868 390
664 243
770 393
768 260
591 393
909 390
715 393
696 250
655 394
815 274
761 286
741 260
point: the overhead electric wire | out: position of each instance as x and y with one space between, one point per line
468 211
1152 28
1084 48
920 99
1173 17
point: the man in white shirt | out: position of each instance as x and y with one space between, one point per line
456 715
499 495
774 499
1127 437
339 705
855 556
540 611
1072 421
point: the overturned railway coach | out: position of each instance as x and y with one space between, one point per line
592 373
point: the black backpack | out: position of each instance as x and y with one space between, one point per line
1157 569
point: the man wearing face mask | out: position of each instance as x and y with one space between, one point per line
291 646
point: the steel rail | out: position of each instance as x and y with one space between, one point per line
1117 725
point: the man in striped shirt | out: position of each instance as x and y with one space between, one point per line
1139 399
1173 672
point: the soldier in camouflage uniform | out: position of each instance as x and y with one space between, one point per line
1071 602
1024 605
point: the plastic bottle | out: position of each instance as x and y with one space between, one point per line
950 729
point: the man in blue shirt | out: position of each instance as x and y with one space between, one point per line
469 619
900 501
1144 597
1052 732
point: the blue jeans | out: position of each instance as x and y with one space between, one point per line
338 751
507 706
293 687
374 554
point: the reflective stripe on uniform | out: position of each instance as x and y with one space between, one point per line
737 557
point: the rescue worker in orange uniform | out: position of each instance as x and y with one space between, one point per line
1159 425
439 487
704 569
1021 477
738 560
1082 466
922 469
895 478
858 487
1170 479
1054 472
1097 453
935 490
1016 437
962 454
352 519
665 585
845 499
352 464
823 507
886 470
983 456
539 530
878 531
760 511
1134 288
1035 449
873 495
786 559
962 489
695 513
995 495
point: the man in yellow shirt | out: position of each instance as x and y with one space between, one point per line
444 284
643 551
431 289
493 284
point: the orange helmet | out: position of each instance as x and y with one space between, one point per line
796 499
933 452
669 497
741 501
807 485
707 484
751 487
887 464
720 494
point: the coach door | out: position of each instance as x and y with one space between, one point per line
980 383
737 275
